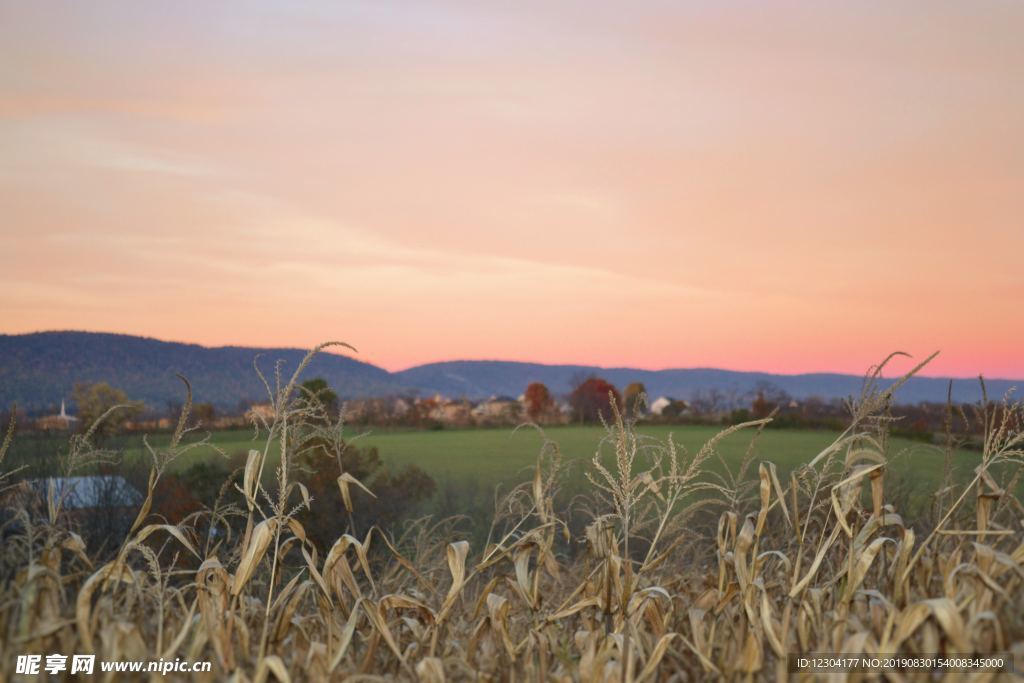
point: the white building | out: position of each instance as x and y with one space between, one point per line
659 404
60 421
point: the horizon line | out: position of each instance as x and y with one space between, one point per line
505 360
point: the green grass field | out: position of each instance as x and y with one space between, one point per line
503 456
482 459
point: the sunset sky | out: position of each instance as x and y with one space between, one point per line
771 186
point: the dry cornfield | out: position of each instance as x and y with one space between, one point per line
683 571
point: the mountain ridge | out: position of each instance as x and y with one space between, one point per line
38 369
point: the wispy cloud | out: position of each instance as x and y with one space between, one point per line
672 184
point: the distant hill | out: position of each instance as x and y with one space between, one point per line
483 378
38 370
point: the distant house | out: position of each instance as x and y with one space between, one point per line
423 407
400 407
670 408
451 412
659 404
497 408
102 507
151 423
61 421
553 413
263 411
228 422
85 493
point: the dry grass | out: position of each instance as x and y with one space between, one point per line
680 574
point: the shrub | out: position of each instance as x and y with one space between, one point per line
394 495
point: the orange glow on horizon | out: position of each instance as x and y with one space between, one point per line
798 188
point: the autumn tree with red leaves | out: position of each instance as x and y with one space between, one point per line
538 400
591 399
